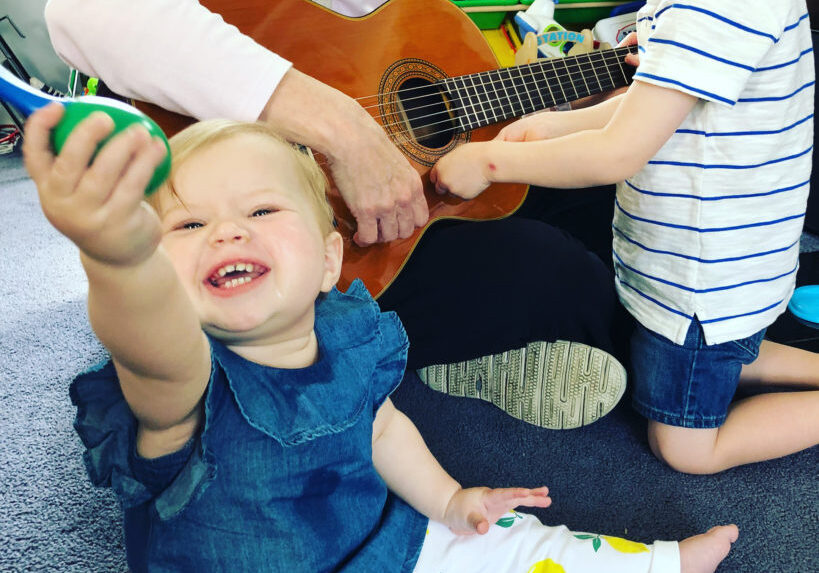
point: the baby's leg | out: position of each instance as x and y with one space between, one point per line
702 553
519 543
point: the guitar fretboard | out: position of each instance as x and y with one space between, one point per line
486 98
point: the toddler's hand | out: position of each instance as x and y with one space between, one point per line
473 510
99 206
461 171
541 125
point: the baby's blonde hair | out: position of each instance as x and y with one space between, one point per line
203 134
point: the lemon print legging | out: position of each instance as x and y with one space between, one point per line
520 543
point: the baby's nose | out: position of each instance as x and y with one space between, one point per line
229 232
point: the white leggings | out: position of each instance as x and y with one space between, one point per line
519 543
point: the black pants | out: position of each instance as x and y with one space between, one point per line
477 288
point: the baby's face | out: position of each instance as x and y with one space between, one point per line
245 240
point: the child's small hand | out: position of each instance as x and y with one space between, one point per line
631 40
99 206
473 510
461 171
541 125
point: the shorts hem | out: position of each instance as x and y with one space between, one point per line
676 420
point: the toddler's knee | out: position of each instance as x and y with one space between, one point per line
676 448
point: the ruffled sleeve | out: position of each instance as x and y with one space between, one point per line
381 333
107 428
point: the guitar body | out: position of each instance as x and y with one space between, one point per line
415 41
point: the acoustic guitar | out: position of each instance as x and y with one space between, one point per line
427 75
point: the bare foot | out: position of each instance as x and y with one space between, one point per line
702 553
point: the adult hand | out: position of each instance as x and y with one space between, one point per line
98 205
473 510
380 187
462 171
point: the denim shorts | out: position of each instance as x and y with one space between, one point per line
690 385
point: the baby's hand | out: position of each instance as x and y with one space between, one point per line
473 510
99 206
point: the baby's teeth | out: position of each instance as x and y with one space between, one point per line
249 267
222 272
230 269
240 267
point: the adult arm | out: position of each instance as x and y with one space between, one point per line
180 56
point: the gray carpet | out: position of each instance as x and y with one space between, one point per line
603 477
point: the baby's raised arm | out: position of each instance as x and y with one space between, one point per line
136 304
412 472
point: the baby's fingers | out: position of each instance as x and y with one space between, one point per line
136 175
527 497
72 162
115 163
37 154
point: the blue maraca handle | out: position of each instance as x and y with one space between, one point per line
21 95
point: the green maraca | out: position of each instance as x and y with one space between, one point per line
28 100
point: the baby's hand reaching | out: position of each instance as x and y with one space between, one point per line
473 510
99 206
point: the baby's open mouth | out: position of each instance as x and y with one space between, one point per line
235 274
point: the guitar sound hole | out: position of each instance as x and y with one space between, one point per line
426 113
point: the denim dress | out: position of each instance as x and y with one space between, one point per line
280 476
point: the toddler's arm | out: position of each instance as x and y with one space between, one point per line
412 472
136 303
644 119
549 124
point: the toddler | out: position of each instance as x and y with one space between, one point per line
711 147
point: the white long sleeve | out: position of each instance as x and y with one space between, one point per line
174 53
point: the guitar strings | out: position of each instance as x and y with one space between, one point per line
479 105
605 85
605 56
506 107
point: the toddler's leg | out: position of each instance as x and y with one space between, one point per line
780 365
758 428
519 543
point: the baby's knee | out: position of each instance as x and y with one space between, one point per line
686 450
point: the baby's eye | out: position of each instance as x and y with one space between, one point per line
262 212
188 225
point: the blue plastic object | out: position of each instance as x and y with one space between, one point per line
27 99
626 8
804 305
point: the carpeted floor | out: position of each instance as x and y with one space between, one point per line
603 477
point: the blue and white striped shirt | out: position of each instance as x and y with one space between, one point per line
710 227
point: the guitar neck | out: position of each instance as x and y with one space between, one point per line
486 98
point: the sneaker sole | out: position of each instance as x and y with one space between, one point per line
557 385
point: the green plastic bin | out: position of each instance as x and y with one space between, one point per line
493 19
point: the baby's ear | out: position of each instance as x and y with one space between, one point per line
333 255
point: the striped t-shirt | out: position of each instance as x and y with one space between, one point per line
710 227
